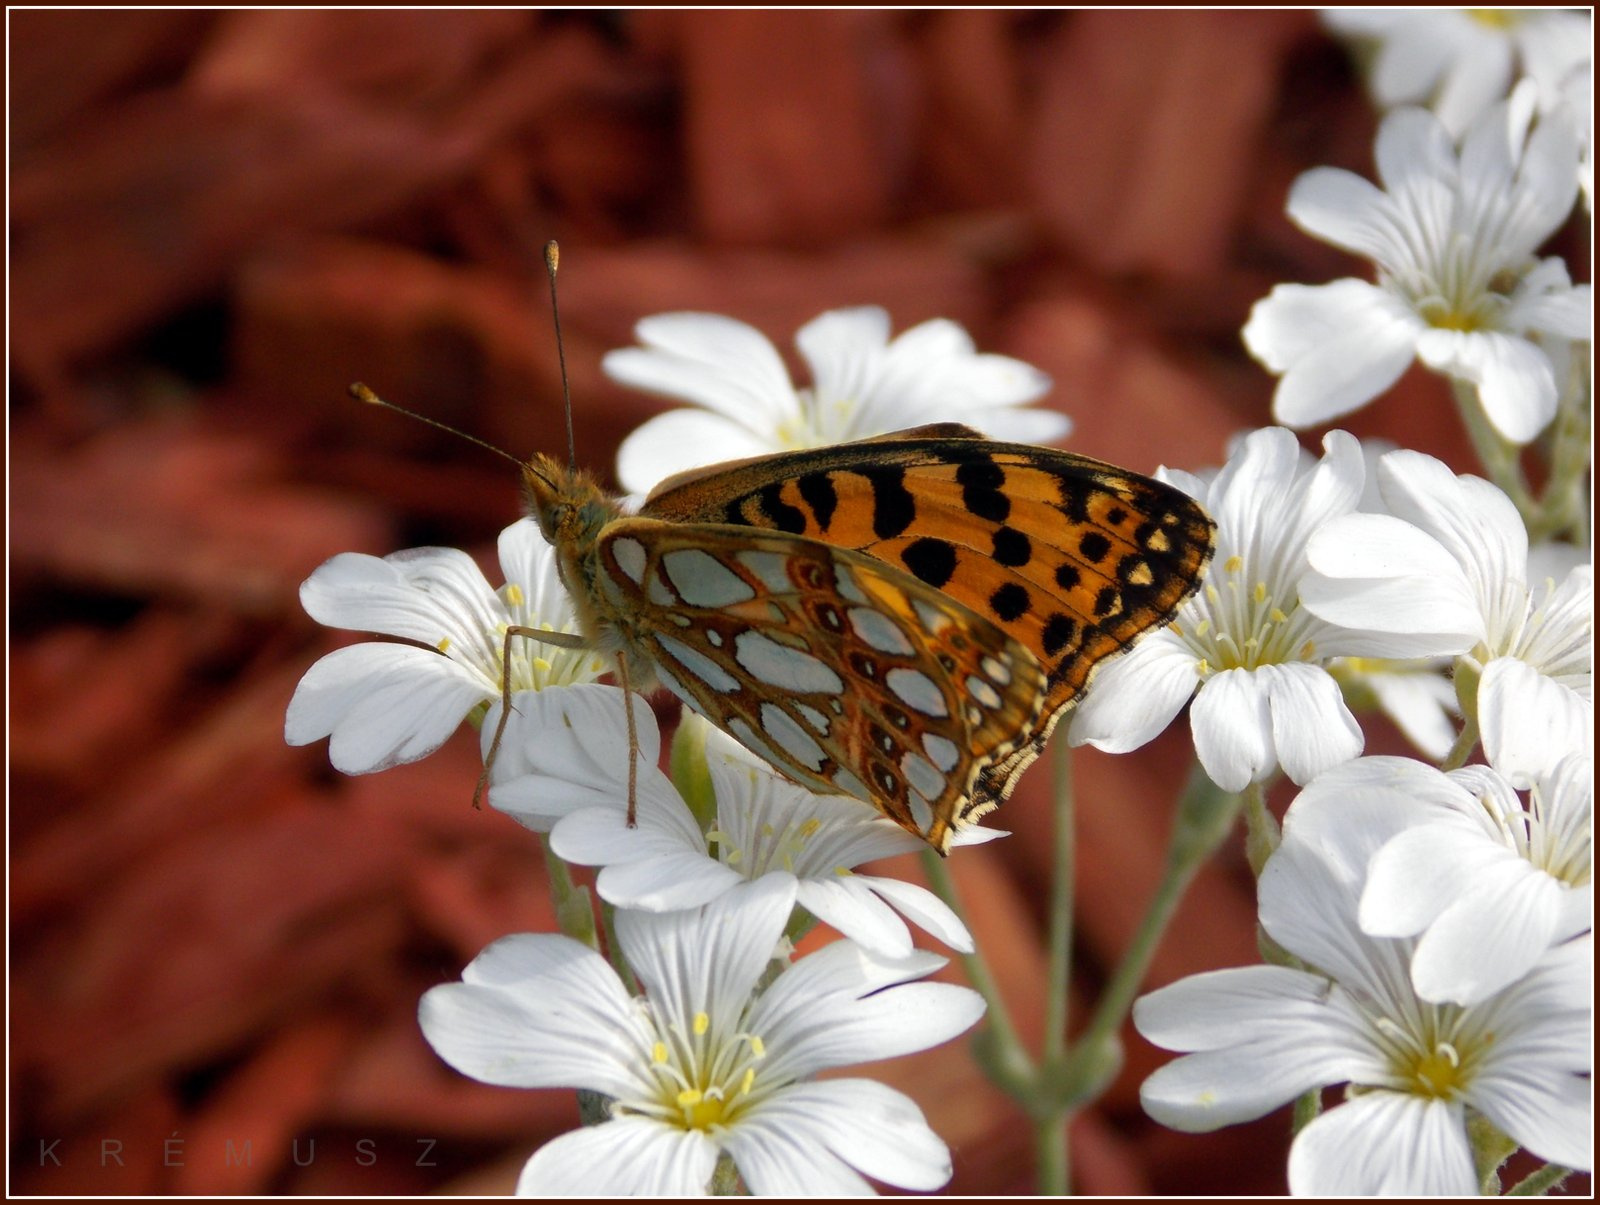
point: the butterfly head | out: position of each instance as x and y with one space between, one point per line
569 506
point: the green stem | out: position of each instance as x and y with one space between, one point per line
1540 1182
1466 741
1500 458
1206 815
1564 507
1002 1039
1262 834
1053 1157
1054 1169
1059 960
574 913
1307 1106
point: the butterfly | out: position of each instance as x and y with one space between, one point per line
901 619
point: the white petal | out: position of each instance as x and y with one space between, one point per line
1308 904
421 594
1547 1110
1338 346
710 360
844 348
776 1161
383 705
1516 384
1474 82
1410 60
1342 208
627 1156
830 1010
1203 1092
1217 1010
675 879
680 440
1132 699
1414 152
1568 314
1529 722
1232 724
1415 876
1474 521
538 1011
857 914
1312 729
923 909
870 1127
1392 586
708 961
1384 1144
1351 811
1490 936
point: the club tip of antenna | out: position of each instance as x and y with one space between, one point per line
362 393
552 256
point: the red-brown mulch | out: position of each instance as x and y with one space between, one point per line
219 219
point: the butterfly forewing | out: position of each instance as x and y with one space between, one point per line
1072 557
850 674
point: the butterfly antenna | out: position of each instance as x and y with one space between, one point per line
552 261
363 394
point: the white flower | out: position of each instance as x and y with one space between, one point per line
1463 60
1266 699
1448 573
703 1063
385 704
864 384
1264 1035
565 771
1459 286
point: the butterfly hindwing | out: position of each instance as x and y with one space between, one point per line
850 674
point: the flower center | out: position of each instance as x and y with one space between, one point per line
702 1079
1495 18
1239 625
1436 1072
766 846
1460 280
821 421
1434 1050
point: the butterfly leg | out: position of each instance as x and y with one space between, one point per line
566 640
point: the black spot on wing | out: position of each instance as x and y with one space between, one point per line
934 561
784 517
819 494
1010 601
1058 631
981 492
1094 547
1011 547
1068 577
893 507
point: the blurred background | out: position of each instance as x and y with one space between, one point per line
219 220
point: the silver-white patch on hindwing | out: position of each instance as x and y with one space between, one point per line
703 581
879 631
765 660
790 736
917 691
630 557
698 664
